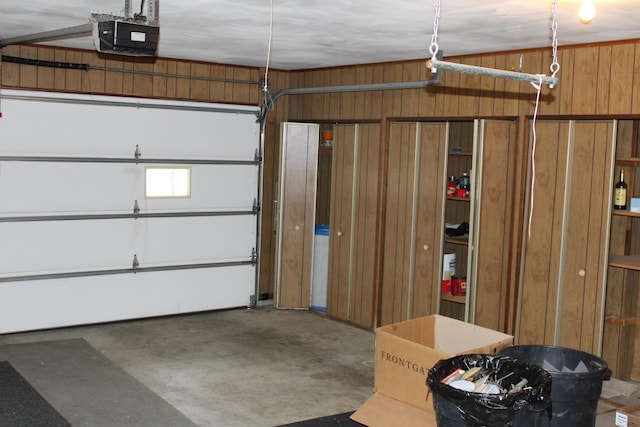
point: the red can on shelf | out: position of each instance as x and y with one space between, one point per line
459 286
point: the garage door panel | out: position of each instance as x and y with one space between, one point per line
200 239
75 188
59 246
74 214
71 301
113 129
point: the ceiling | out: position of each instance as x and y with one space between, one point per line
323 33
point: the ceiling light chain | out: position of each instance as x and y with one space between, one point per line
555 66
433 48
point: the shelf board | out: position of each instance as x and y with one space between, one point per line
460 154
630 262
461 199
457 240
625 213
446 296
628 161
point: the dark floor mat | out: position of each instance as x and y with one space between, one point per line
22 405
339 420
87 388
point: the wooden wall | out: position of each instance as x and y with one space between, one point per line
595 81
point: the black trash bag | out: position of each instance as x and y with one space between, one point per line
518 408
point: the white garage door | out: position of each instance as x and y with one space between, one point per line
120 208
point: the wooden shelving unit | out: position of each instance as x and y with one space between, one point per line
630 262
446 296
459 240
457 211
621 330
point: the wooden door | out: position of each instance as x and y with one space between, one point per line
413 224
564 262
492 290
296 213
353 223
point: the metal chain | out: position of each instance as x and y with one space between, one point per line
555 66
433 48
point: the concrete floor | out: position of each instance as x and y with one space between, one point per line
254 367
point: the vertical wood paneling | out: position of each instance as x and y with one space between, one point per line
347 101
621 83
429 221
366 220
46 80
497 100
160 86
362 100
398 222
566 59
635 91
511 87
493 249
598 213
604 77
95 79
487 86
29 74
538 294
584 81
452 89
217 89
200 88
127 78
410 97
114 80
297 204
376 97
60 75
338 292
468 103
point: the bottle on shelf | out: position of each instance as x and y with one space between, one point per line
464 185
620 193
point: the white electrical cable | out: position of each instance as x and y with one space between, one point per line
266 70
533 154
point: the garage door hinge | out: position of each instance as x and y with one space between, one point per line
254 255
256 206
136 264
137 153
136 209
256 157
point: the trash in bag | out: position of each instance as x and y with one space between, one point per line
480 389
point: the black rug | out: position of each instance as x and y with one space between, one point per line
22 405
339 420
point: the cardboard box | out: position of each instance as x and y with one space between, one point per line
405 352
628 416
635 205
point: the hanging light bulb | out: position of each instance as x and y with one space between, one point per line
587 11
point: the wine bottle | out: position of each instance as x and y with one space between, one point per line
620 193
